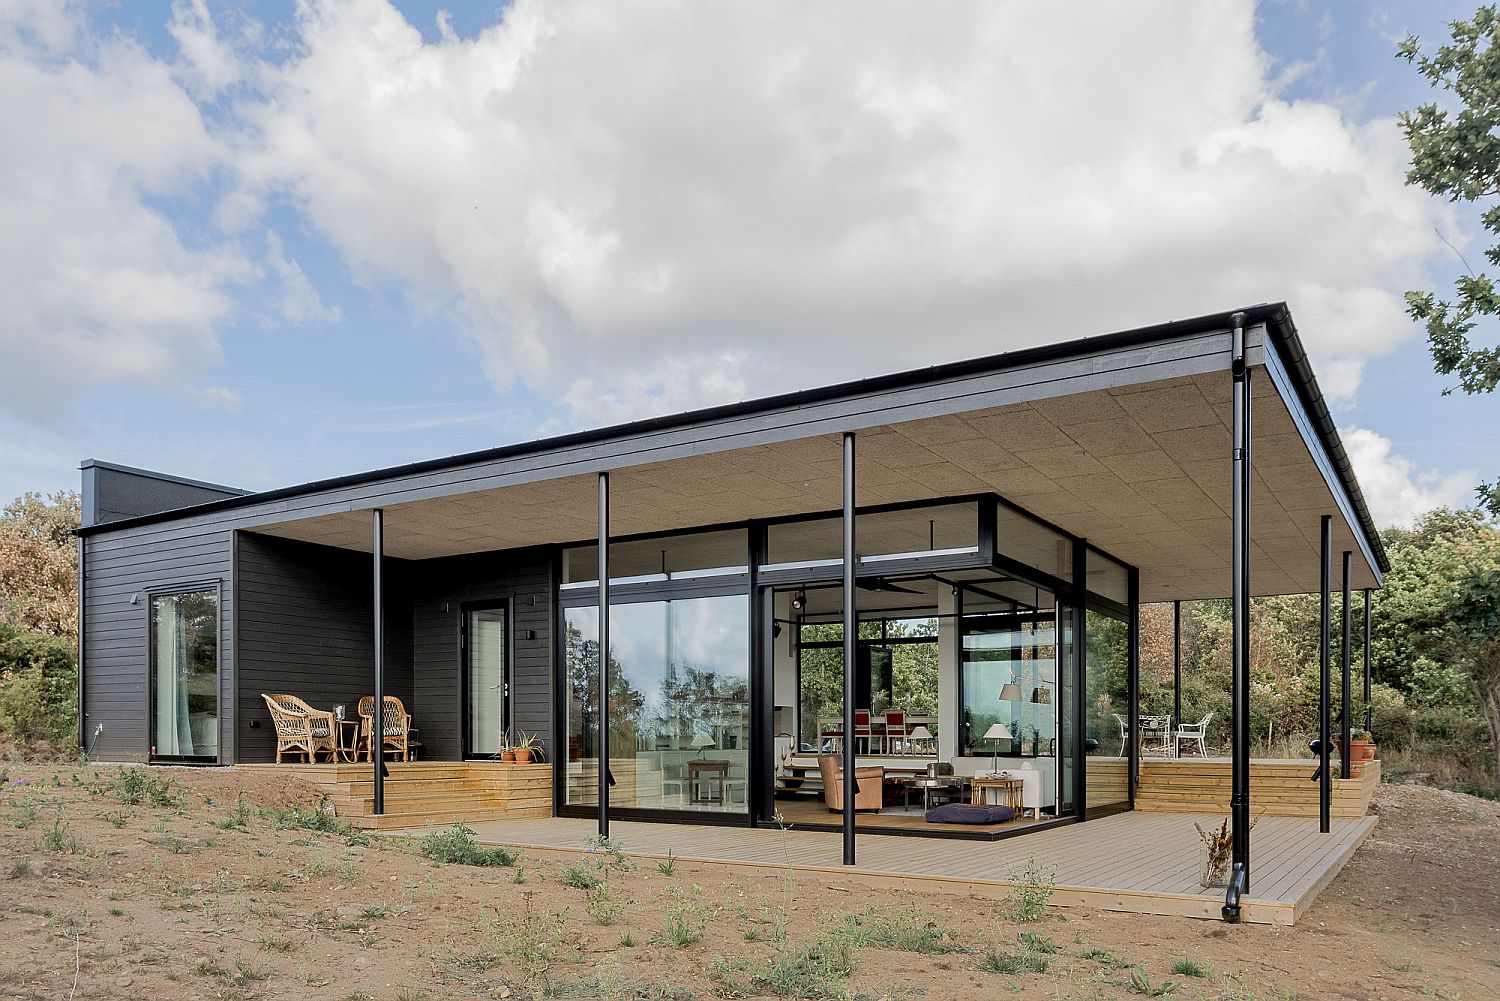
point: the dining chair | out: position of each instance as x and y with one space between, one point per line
895 730
1195 732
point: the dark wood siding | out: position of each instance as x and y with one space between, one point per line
116 684
306 628
440 589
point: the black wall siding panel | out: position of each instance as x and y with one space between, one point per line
440 588
306 628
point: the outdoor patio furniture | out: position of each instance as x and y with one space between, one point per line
395 725
1156 735
1195 732
869 785
301 729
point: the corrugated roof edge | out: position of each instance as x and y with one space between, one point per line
1275 315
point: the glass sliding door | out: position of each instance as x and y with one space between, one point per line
679 694
485 678
184 651
1106 665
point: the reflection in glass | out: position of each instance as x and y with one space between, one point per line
1009 676
679 704
941 529
185 682
1107 707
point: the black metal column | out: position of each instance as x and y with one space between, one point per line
1176 672
1239 794
1133 682
376 736
1367 658
851 647
1346 692
603 735
1325 631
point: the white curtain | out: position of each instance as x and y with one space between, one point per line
173 735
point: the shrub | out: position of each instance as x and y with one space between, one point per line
457 846
38 687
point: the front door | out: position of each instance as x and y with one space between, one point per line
486 679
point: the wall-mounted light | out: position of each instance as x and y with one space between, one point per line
799 601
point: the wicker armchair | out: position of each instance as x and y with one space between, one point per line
301 729
396 722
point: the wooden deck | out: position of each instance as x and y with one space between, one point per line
1144 863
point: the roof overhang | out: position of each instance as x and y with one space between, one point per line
1122 439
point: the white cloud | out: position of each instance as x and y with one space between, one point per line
629 195
98 285
1396 491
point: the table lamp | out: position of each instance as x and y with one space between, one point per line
1010 692
997 731
702 742
920 735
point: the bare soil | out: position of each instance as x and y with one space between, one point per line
195 897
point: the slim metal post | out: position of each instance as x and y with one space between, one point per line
1239 794
1325 631
377 724
1176 673
1133 684
1346 692
851 648
1367 658
603 734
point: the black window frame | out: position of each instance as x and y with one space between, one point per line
151 594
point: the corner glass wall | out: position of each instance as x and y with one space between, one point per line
1106 708
679 724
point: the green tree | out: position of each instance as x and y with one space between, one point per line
1475 636
1456 155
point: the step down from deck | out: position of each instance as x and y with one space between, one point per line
430 793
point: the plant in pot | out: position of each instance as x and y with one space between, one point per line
1361 746
507 752
525 746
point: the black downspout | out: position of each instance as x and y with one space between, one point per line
1347 690
1081 686
1176 672
851 641
82 646
1133 681
1239 796
1367 659
1325 630
762 688
603 727
376 737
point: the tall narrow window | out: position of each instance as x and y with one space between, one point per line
185 675
484 635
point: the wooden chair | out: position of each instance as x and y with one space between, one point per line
396 723
301 729
895 732
869 785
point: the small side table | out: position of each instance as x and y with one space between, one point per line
1007 792
349 746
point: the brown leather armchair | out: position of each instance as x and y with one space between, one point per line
869 785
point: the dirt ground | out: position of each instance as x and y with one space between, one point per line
178 883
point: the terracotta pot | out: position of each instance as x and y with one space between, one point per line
1361 750
509 757
523 755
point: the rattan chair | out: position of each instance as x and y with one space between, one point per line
301 729
396 723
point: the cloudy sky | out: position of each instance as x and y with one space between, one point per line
263 242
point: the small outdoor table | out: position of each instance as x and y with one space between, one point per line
1007 791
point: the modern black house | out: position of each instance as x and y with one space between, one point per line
940 564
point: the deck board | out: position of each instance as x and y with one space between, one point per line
1137 861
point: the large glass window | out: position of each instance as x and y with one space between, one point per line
484 635
1108 578
1107 708
1009 677
896 670
679 725
939 530
673 557
1033 544
185 674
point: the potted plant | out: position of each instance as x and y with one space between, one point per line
1361 747
524 745
507 752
